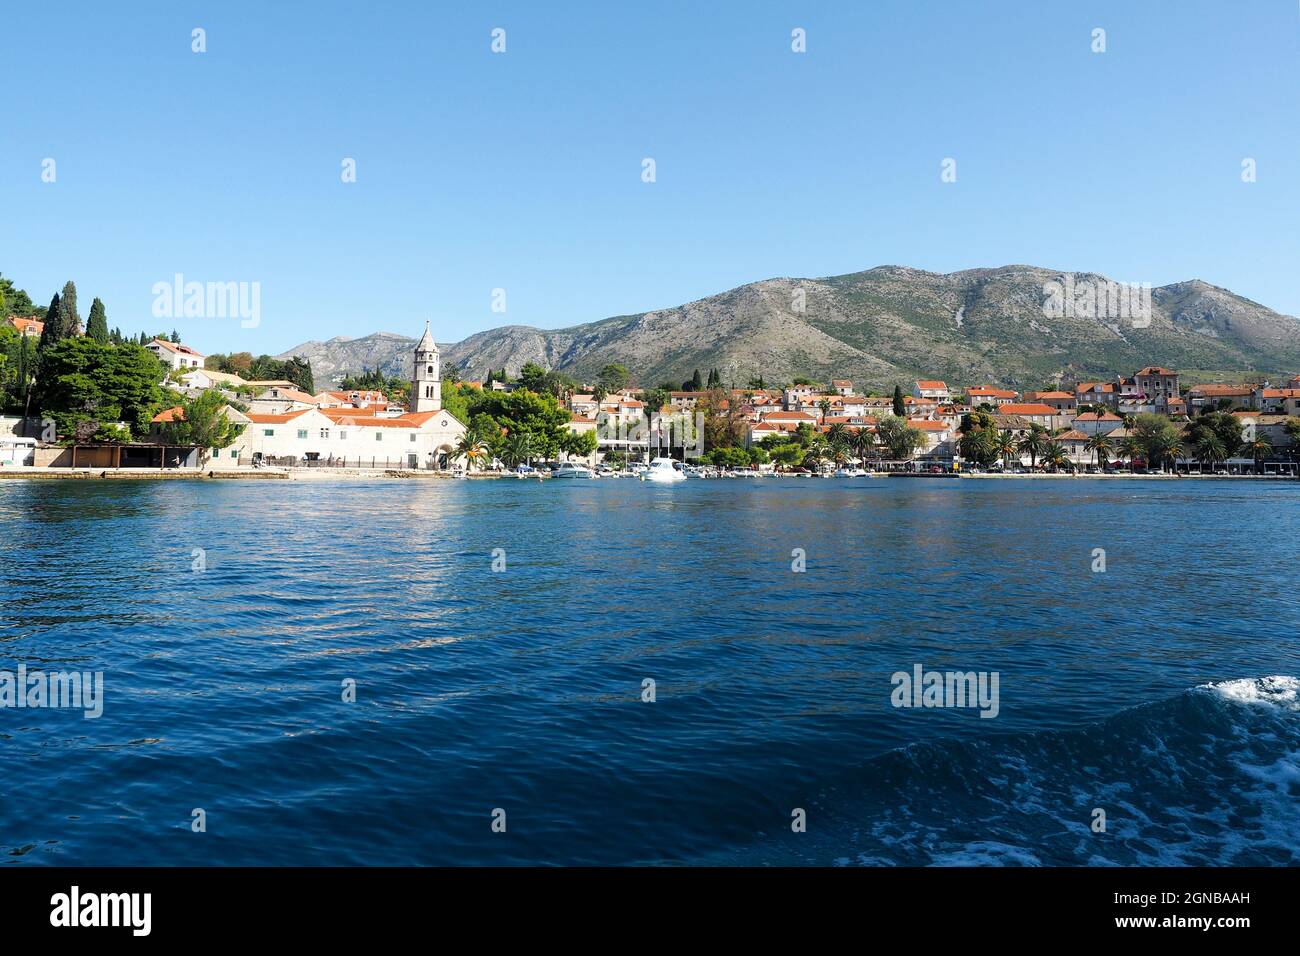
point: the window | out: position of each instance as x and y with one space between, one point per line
379 436
234 453
343 436
430 369
268 432
302 433
324 433
412 436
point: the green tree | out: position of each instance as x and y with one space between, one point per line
15 301
203 422
613 377
1099 445
52 331
1260 448
82 381
900 407
69 317
1034 443
902 439
97 323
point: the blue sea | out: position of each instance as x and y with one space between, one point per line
230 619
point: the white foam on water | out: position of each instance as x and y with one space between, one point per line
1277 690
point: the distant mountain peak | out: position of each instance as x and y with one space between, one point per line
887 325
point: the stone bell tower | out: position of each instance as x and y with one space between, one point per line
426 384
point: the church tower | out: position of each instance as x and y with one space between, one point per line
426 384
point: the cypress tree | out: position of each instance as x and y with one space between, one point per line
69 316
899 408
97 323
53 330
696 384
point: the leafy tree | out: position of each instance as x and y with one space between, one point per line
203 423
83 381
579 444
97 323
902 439
14 301
787 455
613 377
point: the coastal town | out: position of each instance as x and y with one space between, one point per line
206 419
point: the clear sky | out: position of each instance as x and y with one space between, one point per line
523 171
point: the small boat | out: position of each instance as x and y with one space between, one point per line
571 469
664 470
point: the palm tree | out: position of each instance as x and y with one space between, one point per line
863 442
1210 449
1259 448
825 406
1054 455
1130 446
1034 442
472 449
1099 445
1006 445
519 448
1167 446
838 435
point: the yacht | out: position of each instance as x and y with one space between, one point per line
664 470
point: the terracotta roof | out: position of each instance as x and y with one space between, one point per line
1073 435
929 426
22 325
988 391
1027 408
789 417
931 383
1097 417
1154 370
1054 396
290 395
349 417
174 414
257 419
1222 390
176 347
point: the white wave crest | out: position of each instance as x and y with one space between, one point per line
1277 690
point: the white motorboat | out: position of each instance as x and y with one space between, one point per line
664 470
571 469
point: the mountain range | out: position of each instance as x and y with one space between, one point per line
887 325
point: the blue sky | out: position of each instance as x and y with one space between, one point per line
522 171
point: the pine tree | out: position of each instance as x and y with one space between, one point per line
696 383
899 408
97 323
70 318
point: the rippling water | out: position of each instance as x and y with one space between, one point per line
521 690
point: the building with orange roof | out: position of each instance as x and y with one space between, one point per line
931 388
27 327
176 356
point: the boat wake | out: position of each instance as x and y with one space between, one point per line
1209 777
